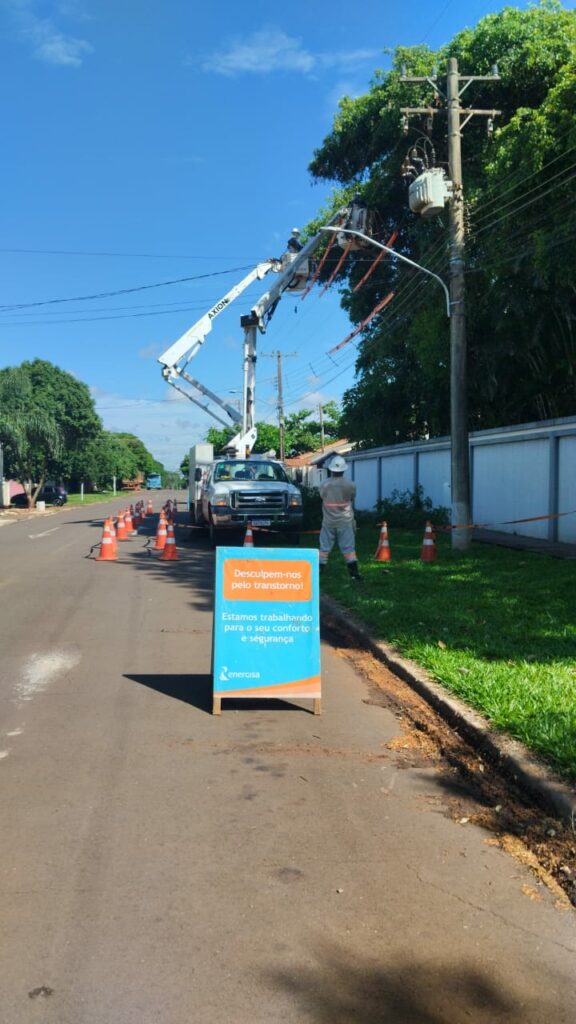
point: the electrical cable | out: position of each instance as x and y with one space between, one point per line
517 209
117 255
123 291
497 186
512 202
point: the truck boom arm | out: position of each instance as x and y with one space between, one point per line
175 360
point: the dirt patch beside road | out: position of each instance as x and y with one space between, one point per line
473 790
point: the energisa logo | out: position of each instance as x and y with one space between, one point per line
225 675
218 308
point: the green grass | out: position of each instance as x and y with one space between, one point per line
496 627
92 499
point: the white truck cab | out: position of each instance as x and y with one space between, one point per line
235 492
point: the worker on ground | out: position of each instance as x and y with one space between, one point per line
338 522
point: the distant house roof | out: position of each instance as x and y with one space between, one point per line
317 458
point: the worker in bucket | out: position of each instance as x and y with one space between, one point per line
338 522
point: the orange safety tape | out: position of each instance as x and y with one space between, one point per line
504 522
261 529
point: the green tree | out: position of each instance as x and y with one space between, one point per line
302 433
31 437
70 403
521 219
105 457
145 461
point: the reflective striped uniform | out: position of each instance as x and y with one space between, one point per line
337 518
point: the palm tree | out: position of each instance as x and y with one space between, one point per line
32 440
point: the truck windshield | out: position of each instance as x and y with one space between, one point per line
239 470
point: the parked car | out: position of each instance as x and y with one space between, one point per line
52 494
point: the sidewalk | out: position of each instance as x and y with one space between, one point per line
554 549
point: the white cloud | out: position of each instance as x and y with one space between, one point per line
345 87
271 49
151 351
159 423
48 43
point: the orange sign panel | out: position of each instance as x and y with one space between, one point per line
271 580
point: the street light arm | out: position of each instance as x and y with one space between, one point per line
398 255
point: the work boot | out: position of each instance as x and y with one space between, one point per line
353 570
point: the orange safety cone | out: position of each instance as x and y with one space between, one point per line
130 531
170 553
107 545
428 551
113 535
383 553
161 534
121 528
249 538
150 508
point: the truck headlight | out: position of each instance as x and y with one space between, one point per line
295 501
221 499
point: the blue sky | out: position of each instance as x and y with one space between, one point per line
146 142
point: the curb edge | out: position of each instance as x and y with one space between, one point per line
550 791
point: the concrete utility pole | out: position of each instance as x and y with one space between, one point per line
461 511
321 415
460 457
281 424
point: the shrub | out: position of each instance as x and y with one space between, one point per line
410 509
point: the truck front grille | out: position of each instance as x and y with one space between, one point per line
258 503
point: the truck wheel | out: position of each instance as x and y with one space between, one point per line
215 535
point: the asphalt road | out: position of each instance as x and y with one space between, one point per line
162 865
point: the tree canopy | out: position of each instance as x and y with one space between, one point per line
521 221
47 416
302 433
50 430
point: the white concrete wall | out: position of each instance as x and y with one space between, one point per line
434 476
366 480
397 474
513 476
567 488
511 482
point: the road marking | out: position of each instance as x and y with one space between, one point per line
3 754
34 536
41 669
15 732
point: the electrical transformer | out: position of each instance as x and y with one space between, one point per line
429 193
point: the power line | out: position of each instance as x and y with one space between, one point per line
521 178
517 209
124 291
522 195
118 255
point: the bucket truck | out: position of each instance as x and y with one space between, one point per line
293 271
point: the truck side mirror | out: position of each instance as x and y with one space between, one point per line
198 474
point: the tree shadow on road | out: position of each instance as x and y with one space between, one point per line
342 989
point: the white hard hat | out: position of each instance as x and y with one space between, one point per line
337 465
